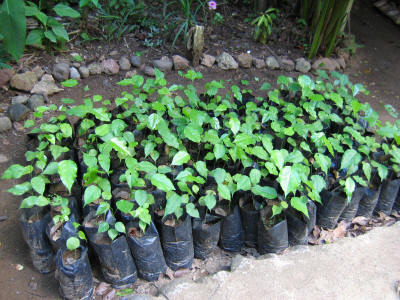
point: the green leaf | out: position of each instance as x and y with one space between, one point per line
219 175
209 201
193 132
224 192
104 161
120 227
244 139
243 182
318 183
103 227
351 158
234 124
65 11
349 188
66 130
180 158
29 123
192 210
50 36
73 243
56 151
259 152
360 181
219 151
20 189
140 197
278 157
35 37
103 130
255 176
300 204
102 208
174 202
162 182
264 191
91 194
289 180
67 170
38 184
382 170
323 161
124 206
16 171
201 167
70 83
367 170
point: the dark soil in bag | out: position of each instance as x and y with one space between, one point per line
333 204
205 235
249 216
231 237
91 222
74 274
58 234
33 222
368 202
115 258
146 251
177 242
351 208
299 226
271 238
388 196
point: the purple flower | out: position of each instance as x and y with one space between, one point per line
212 5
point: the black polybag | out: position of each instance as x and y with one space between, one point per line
89 231
272 239
34 234
388 196
68 230
147 252
76 281
177 243
333 204
115 258
299 226
368 202
351 208
231 237
205 235
249 216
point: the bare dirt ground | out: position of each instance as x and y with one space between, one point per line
376 65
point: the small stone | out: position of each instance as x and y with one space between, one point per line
180 63
18 126
259 63
114 53
3 159
107 84
35 101
18 112
5 76
226 62
38 71
24 81
20 99
272 63
76 64
124 63
149 71
94 69
207 60
130 74
61 71
110 66
62 60
303 65
245 60
84 71
46 86
341 61
287 64
136 61
5 123
345 54
74 73
325 64
163 64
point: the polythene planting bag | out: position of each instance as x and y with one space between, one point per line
90 223
388 196
368 202
115 258
58 234
177 242
74 275
231 237
146 251
351 208
205 235
333 204
272 239
249 216
33 222
299 226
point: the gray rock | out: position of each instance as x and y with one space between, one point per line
46 86
342 62
136 61
76 64
5 76
258 63
18 112
20 99
303 65
272 63
124 63
74 73
94 69
130 74
180 63
287 64
4 158
5 124
163 64
138 297
226 62
61 71
110 66
24 81
245 60
207 60
63 60
85 72
326 64
35 101
149 71
38 71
